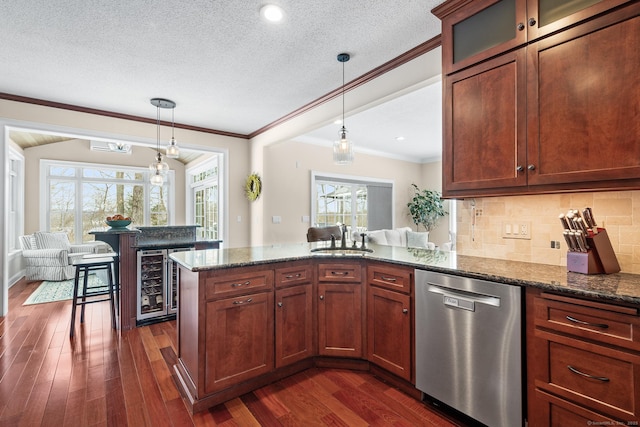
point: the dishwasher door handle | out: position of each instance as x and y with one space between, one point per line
463 299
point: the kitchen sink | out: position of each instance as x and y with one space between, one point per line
341 251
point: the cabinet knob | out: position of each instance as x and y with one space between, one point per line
532 22
280 304
520 26
531 167
519 168
405 310
321 297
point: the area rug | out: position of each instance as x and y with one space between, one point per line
59 291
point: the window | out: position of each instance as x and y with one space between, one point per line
16 199
205 183
360 204
78 197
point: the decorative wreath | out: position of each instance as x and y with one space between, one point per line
253 187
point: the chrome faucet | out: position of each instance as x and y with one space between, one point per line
343 243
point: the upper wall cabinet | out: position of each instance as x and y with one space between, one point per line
558 113
475 30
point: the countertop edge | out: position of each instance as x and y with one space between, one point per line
601 287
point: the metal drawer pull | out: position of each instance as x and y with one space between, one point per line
593 377
340 273
405 310
236 285
280 304
243 302
581 322
292 277
388 279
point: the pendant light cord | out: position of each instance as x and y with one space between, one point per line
158 129
343 94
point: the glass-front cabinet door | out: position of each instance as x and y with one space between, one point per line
481 29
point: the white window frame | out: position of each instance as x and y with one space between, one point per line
323 177
220 161
45 179
15 200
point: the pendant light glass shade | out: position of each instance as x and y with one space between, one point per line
172 151
343 148
159 169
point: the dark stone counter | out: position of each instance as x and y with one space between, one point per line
618 287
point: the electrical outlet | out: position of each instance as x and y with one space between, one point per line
516 230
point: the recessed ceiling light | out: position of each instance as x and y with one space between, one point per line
271 13
400 138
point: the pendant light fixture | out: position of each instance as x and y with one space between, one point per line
172 149
159 168
343 148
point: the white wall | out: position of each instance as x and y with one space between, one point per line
287 183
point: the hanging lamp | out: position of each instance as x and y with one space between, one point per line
159 168
172 151
343 148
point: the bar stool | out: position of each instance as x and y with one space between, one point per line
85 266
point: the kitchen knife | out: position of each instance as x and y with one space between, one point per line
570 243
581 226
588 215
581 240
564 221
569 217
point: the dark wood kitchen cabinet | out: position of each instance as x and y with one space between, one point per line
485 135
557 114
389 318
583 361
225 328
474 31
294 314
340 309
239 339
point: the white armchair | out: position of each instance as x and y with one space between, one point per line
49 256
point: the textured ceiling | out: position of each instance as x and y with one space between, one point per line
224 67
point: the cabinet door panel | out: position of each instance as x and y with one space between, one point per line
340 320
584 98
294 324
484 142
479 30
389 331
239 339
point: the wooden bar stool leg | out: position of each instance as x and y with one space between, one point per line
111 297
84 292
76 282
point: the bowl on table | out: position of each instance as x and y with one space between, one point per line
118 223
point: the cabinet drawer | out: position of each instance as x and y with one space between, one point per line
553 411
340 272
594 376
390 277
592 320
219 284
295 275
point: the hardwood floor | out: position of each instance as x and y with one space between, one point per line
104 377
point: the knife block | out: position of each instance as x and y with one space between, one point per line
584 262
601 245
599 259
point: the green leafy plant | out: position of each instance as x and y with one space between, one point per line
426 208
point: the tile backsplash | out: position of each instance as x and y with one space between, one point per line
617 211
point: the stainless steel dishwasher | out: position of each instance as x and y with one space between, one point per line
469 346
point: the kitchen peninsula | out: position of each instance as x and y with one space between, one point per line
127 242
249 316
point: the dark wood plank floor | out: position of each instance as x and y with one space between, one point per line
104 377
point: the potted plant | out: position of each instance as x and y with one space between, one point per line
426 208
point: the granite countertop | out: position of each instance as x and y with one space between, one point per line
620 287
